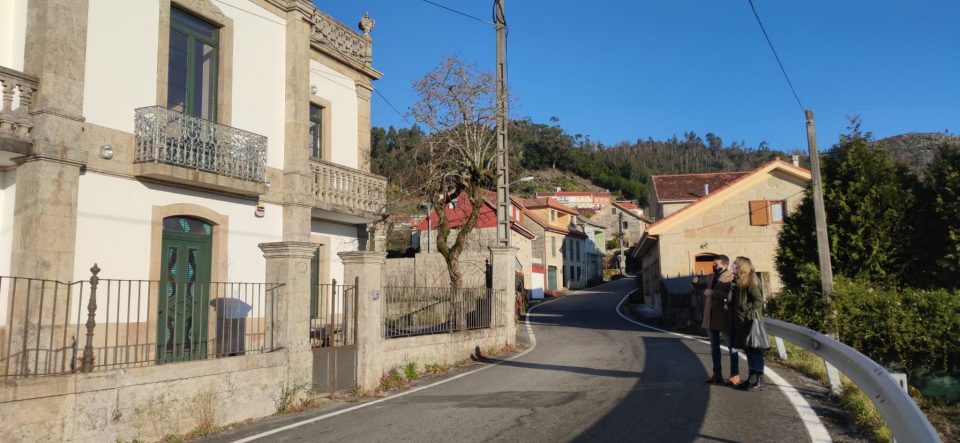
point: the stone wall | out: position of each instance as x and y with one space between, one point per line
143 403
440 348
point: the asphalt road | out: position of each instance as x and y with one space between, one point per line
592 376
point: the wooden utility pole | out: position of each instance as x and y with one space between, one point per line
819 214
503 152
823 246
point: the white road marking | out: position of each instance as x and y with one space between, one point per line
818 433
533 345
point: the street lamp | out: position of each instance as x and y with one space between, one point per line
525 179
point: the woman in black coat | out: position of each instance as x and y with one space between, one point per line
747 300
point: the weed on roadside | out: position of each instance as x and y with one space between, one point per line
394 380
410 371
290 399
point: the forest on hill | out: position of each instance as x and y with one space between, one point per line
624 169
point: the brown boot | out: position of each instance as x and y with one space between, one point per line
715 378
733 380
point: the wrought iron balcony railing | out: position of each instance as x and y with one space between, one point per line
174 138
348 188
18 89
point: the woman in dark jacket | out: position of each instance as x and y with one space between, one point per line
747 299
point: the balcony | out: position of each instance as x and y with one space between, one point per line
182 149
15 120
348 191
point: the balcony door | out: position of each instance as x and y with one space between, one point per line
183 305
192 69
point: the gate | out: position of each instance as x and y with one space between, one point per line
333 336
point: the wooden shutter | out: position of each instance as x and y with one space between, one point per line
759 213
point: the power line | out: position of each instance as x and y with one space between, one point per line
390 104
458 12
784 71
741 214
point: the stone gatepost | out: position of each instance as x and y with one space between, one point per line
288 263
503 267
366 268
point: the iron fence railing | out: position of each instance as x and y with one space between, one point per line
52 327
333 315
170 137
410 311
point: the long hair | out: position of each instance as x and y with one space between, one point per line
745 273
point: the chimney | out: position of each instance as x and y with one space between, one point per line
796 160
558 189
706 189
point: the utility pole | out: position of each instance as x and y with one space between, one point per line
823 245
621 260
503 152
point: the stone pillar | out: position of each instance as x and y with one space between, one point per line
503 261
288 263
368 266
297 176
364 92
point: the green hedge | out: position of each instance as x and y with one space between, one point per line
909 330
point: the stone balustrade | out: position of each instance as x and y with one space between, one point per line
18 89
326 31
348 188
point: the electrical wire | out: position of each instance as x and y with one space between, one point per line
458 12
390 105
782 69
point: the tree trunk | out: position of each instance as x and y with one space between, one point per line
457 302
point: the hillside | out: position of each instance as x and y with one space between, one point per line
915 150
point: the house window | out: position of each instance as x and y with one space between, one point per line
626 225
553 215
577 249
613 210
316 130
766 212
778 209
192 69
553 246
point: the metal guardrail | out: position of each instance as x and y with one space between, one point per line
903 417
174 138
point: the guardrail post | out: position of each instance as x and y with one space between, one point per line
366 269
781 348
86 365
836 387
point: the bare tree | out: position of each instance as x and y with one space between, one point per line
458 107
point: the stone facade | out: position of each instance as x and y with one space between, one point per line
81 182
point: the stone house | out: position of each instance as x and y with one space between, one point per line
596 246
705 215
579 200
622 218
430 269
560 245
178 142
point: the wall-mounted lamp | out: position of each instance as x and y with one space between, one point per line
313 89
106 152
260 211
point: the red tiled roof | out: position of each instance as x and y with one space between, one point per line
689 187
627 205
548 202
573 194
486 219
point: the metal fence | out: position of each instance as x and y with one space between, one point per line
174 138
52 327
410 311
333 315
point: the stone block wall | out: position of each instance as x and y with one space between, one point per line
143 403
440 348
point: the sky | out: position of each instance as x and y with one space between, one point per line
622 70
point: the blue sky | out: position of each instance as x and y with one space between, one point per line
620 70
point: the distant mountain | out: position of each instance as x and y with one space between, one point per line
916 150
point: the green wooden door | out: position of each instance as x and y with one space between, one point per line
184 290
552 278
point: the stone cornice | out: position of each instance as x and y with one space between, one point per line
362 257
288 249
58 113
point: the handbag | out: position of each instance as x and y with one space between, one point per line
757 337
